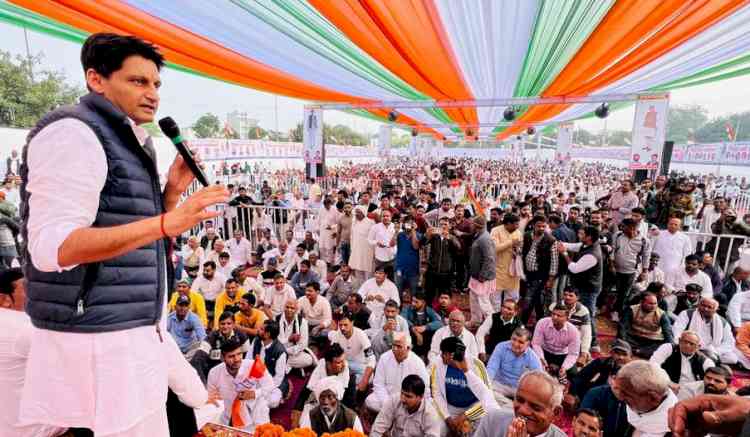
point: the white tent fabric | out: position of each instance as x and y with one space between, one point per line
489 37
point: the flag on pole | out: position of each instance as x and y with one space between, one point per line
228 131
730 131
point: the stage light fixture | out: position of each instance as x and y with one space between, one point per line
392 116
602 111
414 132
531 130
509 114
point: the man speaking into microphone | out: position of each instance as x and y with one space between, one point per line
97 226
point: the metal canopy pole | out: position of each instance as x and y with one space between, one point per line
484 103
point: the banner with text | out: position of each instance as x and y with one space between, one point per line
649 132
312 136
384 140
564 139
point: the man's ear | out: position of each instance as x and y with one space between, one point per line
556 411
94 81
6 301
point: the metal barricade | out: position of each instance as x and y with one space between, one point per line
254 220
724 248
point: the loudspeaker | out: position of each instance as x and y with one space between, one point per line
666 157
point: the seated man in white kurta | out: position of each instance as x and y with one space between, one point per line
391 370
715 333
455 328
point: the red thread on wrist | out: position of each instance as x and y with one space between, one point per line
163 232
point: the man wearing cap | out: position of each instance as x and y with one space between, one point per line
186 328
330 415
481 271
197 304
598 371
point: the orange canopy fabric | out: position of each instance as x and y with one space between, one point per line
631 35
407 37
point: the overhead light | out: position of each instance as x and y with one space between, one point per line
469 133
414 132
531 130
602 111
518 137
509 114
392 116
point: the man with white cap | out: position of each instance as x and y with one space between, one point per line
330 415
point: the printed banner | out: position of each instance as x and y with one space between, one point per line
312 136
649 132
564 139
384 140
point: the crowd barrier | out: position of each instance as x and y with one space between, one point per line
725 248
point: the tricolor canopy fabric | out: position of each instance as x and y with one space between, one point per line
372 51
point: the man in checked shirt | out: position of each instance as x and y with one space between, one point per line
540 262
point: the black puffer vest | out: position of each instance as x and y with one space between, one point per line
121 293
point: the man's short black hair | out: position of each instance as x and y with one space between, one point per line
721 371
510 219
333 352
591 231
226 315
231 345
413 384
272 328
249 298
692 257
450 344
209 264
314 285
106 52
592 413
7 278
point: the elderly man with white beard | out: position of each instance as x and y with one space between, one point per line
330 415
714 332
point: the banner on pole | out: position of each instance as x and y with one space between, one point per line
384 141
564 140
649 132
312 136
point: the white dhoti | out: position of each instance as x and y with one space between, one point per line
479 300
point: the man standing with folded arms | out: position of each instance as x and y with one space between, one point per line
98 227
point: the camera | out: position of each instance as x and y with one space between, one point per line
460 354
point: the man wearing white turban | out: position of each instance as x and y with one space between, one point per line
330 416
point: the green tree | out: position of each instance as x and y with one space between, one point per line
683 120
256 133
207 126
716 129
24 98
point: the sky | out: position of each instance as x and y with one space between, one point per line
186 97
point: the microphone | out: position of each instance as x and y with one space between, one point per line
171 130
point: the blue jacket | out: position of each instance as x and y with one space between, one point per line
120 293
433 320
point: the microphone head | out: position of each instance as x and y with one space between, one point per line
169 127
